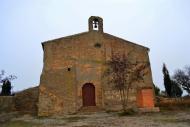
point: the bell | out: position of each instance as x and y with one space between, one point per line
95 22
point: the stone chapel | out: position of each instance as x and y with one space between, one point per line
73 67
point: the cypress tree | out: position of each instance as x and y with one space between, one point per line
167 81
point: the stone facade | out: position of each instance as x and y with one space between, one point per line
73 61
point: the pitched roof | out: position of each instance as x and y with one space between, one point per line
105 34
126 41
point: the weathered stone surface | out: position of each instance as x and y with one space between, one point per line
26 101
6 103
72 61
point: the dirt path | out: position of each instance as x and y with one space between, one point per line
101 119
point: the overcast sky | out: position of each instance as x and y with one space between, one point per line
161 25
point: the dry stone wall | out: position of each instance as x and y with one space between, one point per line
7 103
25 101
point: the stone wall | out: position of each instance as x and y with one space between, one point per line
6 103
57 92
26 101
173 103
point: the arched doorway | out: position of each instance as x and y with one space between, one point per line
88 94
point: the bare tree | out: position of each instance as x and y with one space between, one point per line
182 77
3 77
122 72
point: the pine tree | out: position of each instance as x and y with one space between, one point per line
6 83
6 88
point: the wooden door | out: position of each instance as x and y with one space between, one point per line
88 94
